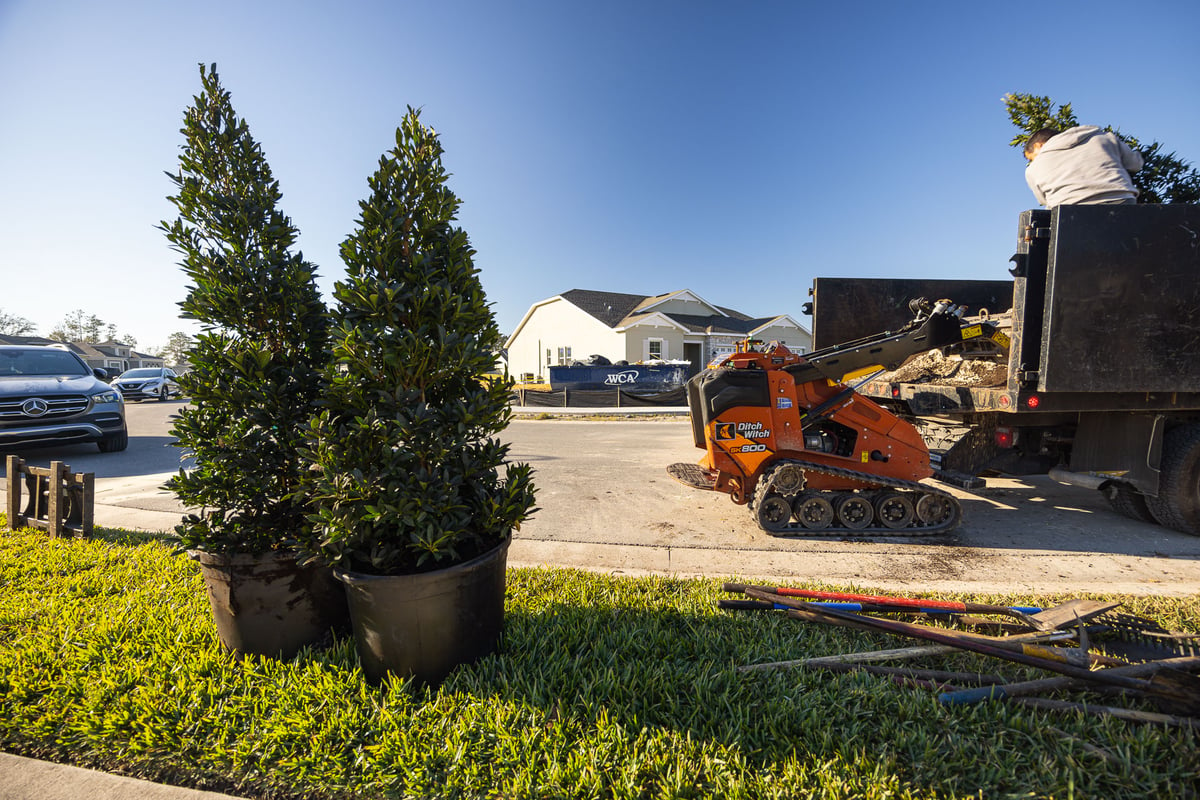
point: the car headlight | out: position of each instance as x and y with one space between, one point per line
104 398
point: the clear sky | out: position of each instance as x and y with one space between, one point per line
737 149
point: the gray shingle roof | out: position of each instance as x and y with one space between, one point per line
612 308
13 339
711 324
608 307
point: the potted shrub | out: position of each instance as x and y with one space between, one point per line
415 504
255 372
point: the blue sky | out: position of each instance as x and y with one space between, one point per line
737 149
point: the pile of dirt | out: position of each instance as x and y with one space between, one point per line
934 367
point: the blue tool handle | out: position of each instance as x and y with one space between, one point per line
966 696
849 606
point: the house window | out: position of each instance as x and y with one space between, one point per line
656 348
564 356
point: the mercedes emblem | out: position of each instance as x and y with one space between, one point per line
35 407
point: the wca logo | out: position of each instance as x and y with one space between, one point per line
620 378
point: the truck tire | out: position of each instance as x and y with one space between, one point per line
1178 503
1129 502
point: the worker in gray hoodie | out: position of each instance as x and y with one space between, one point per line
1081 165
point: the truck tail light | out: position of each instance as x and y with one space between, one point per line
1005 438
1033 401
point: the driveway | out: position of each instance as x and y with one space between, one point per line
606 503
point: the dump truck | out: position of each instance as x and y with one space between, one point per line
1094 377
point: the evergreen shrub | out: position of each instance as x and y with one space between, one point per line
408 472
255 372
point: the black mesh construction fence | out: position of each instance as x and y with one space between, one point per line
597 398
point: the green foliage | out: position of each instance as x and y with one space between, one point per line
603 687
256 368
1030 114
79 326
1164 177
14 325
175 351
406 464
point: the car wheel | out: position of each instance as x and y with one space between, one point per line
114 443
163 393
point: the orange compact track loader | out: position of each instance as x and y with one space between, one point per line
785 434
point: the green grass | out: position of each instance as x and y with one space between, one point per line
604 687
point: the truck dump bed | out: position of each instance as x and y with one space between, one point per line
1105 315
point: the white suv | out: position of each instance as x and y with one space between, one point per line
146 382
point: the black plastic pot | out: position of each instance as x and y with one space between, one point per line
270 605
423 626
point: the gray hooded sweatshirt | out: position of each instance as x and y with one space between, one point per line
1083 165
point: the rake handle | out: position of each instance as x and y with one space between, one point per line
885 600
972 644
1026 688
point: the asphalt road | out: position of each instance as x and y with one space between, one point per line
605 502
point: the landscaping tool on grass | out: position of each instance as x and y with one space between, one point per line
1173 690
871 608
1027 688
924 605
1166 678
900 653
1136 639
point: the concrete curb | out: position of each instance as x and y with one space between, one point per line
29 779
612 411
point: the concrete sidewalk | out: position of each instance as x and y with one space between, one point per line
30 779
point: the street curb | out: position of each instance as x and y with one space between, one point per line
608 411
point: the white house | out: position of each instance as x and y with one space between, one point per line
575 325
114 356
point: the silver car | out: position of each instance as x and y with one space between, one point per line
146 382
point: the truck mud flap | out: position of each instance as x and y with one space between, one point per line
1126 447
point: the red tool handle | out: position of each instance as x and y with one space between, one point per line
903 602
949 605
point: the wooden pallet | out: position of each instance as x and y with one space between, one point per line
57 500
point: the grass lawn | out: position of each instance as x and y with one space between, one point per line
604 687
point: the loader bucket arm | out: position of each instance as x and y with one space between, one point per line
942 327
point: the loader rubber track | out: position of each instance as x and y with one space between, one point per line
948 519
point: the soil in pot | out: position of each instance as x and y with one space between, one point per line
270 605
423 626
